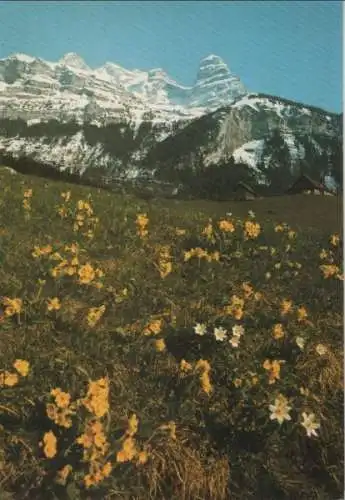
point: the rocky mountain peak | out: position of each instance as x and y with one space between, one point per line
215 81
74 60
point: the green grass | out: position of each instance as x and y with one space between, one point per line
225 446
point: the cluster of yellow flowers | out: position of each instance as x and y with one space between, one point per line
330 269
280 228
129 450
62 411
96 400
95 446
94 315
278 331
251 229
70 265
273 369
226 226
154 327
164 261
9 379
202 366
12 306
142 222
201 254
235 308
39 252
84 219
27 202
63 209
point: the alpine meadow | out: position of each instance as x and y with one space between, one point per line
171 251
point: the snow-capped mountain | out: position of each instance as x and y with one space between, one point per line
33 88
129 122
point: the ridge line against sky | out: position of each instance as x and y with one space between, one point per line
291 49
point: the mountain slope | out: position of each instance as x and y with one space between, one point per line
243 130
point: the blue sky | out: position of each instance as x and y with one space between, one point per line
288 48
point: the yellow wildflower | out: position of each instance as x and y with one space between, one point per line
86 274
49 441
28 193
203 364
273 369
54 304
8 379
205 382
335 239
142 457
252 229
321 349
329 270
248 290
66 196
12 306
208 231
301 314
63 474
237 382
128 451
278 331
185 366
323 254
94 315
154 327
62 212
22 367
285 307
160 345
133 424
62 399
226 226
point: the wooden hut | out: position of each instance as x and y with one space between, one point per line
244 192
305 185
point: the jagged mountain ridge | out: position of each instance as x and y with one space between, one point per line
32 88
132 122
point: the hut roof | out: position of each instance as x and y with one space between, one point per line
309 181
246 187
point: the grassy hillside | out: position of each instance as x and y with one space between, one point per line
168 350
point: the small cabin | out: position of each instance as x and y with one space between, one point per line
244 192
305 185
